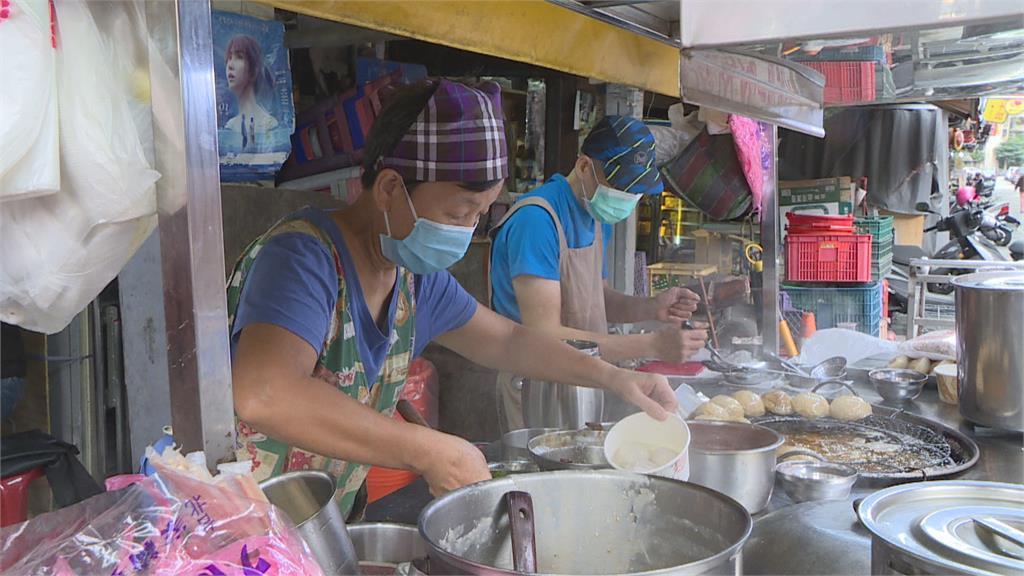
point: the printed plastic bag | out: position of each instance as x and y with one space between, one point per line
167 524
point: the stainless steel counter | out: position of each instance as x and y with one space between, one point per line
826 537
811 537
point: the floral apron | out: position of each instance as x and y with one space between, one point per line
338 364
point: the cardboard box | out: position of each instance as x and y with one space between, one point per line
824 196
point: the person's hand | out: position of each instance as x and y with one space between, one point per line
649 392
453 463
676 345
675 304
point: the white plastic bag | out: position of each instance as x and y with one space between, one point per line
29 157
852 345
668 143
59 251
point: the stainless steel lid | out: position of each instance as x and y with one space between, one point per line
969 527
1003 280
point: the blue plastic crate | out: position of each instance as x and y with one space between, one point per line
834 306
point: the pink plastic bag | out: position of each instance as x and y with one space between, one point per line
167 524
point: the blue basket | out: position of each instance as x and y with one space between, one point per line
834 306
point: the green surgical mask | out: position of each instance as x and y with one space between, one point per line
608 204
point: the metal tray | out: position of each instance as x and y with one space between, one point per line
955 452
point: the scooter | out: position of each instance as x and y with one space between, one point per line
976 234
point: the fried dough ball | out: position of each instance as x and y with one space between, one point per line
751 402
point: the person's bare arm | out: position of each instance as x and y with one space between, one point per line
673 305
275 393
496 342
540 307
621 308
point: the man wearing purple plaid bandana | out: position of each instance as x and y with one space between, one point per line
328 308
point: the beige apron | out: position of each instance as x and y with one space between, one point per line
582 287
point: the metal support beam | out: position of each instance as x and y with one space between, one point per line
770 242
191 234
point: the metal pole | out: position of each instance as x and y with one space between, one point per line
191 229
770 242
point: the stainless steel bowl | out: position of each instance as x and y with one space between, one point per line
381 547
570 450
514 444
502 469
804 481
897 385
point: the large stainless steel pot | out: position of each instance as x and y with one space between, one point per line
946 527
990 337
562 406
736 459
309 499
590 522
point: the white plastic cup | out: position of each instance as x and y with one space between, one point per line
642 430
946 378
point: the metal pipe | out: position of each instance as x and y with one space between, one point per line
770 242
191 229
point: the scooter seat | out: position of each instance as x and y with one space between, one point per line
1017 250
903 254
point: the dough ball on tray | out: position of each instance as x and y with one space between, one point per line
777 402
713 411
731 405
810 405
751 403
849 408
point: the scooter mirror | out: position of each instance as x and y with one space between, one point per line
923 207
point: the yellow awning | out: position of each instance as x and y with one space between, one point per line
531 31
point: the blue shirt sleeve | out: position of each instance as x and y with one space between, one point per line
292 284
531 241
442 305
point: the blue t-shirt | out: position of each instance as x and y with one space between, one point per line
527 244
294 284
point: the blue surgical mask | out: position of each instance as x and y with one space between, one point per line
430 247
608 204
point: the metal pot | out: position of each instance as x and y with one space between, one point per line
946 527
736 459
562 406
990 336
596 522
381 547
309 498
514 443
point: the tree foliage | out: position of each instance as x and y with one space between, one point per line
1011 152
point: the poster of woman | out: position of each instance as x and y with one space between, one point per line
255 114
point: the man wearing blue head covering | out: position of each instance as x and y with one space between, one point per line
549 266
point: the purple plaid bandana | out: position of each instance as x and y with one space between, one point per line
458 137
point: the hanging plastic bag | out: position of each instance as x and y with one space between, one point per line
29 157
165 525
61 250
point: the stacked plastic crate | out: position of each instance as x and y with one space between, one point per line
829 272
881 230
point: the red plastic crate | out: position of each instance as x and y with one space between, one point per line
828 258
847 82
818 224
